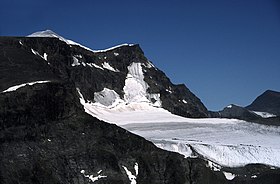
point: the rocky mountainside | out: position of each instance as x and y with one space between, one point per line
47 137
269 102
123 70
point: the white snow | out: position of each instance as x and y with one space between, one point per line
115 47
116 54
229 106
45 57
91 177
20 42
213 166
169 91
132 178
109 67
13 88
229 176
184 101
49 33
75 61
149 64
264 114
254 176
96 66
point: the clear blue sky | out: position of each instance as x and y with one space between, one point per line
225 51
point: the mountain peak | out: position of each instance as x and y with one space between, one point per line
46 33
52 34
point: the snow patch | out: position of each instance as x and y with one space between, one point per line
229 176
91 177
132 178
75 61
169 91
229 106
116 54
45 57
96 66
213 166
13 88
264 114
184 101
115 47
254 176
20 42
109 67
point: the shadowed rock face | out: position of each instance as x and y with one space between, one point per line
20 64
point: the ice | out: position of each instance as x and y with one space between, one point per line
264 114
135 86
227 142
109 67
13 88
106 97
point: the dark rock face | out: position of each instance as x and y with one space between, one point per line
178 99
269 101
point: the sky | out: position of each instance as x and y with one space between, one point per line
224 51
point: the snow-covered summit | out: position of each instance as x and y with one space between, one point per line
50 33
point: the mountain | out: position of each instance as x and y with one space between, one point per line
268 102
123 71
54 94
264 110
235 111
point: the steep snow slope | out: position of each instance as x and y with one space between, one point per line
227 142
